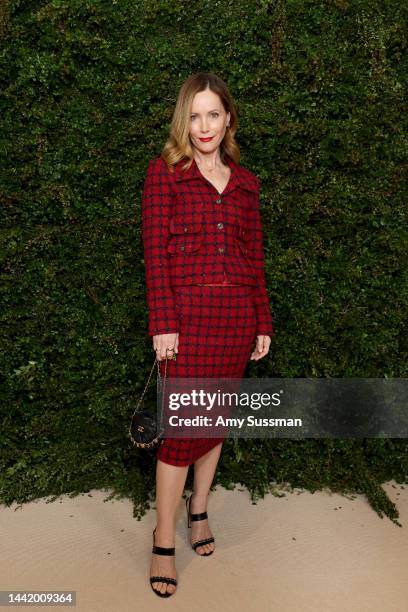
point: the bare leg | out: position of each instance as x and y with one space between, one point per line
170 481
204 470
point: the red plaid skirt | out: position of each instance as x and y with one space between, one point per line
216 339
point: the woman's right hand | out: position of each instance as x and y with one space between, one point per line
163 341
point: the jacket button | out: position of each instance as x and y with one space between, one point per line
220 225
218 201
221 249
185 228
182 248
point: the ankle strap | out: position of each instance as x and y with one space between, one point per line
160 550
199 517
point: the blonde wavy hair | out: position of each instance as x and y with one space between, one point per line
178 145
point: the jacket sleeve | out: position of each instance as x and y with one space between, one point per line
156 213
263 311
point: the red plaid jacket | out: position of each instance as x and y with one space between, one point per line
192 234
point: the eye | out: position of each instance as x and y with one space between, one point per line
215 114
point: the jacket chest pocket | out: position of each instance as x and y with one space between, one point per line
242 238
186 235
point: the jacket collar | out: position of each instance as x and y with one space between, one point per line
239 175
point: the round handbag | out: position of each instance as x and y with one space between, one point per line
143 430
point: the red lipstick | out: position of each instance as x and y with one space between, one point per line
206 139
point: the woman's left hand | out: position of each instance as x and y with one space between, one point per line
262 347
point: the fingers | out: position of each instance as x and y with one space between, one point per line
262 347
165 346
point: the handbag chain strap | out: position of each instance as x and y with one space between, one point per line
156 362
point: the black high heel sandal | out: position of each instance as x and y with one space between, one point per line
160 550
201 516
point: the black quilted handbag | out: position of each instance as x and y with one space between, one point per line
143 429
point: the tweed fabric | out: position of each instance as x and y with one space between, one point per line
217 333
193 234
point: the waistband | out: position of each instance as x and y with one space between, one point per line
200 288
225 281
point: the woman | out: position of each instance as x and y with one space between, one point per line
206 292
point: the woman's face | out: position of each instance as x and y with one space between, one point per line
208 119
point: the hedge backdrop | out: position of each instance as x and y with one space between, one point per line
88 89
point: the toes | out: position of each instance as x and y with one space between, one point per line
204 548
162 587
208 548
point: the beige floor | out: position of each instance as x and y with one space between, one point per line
303 552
